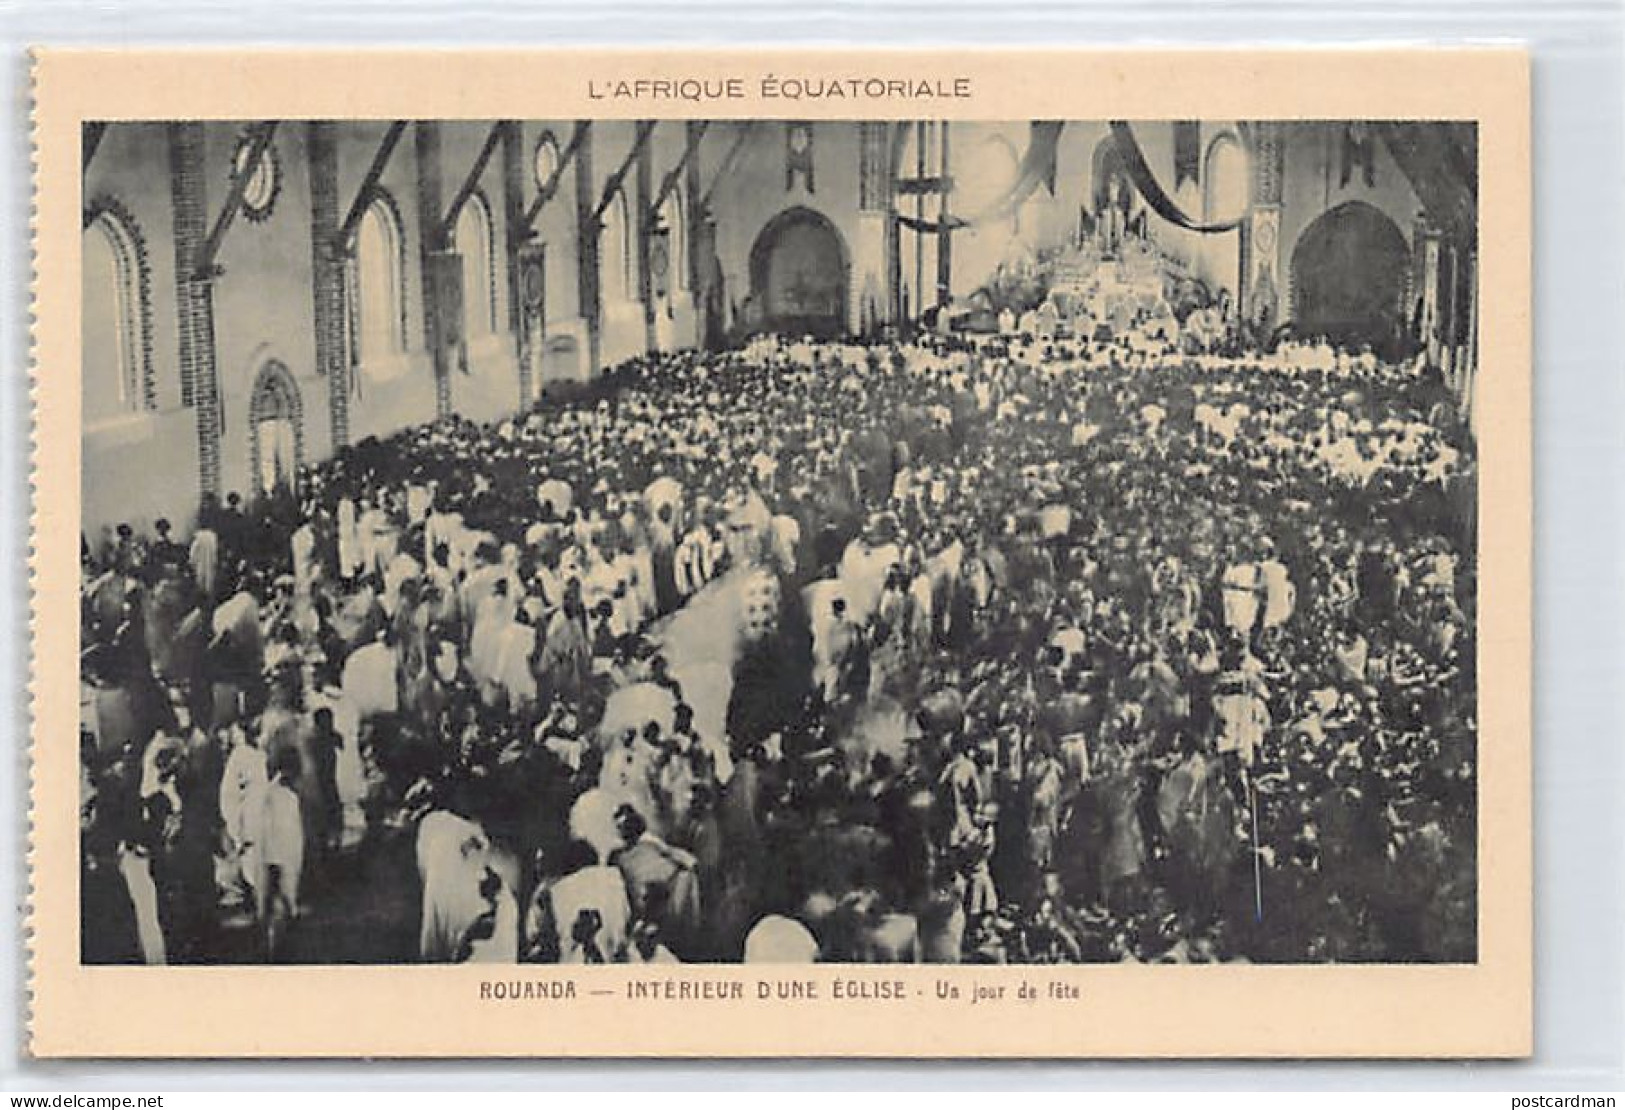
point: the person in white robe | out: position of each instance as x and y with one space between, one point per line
284 852
1280 595
1243 591
204 557
302 550
419 501
368 679
242 796
464 895
514 676
491 621
135 867
349 538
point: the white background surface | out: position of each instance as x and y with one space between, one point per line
1579 140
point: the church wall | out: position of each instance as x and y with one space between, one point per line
979 167
1313 166
262 300
388 393
555 230
145 464
489 389
755 192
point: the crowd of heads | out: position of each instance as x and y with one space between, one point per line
998 648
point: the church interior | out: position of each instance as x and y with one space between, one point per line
690 541
259 295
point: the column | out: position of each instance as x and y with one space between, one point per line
587 254
431 245
327 279
1262 284
194 296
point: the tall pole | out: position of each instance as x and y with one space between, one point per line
919 216
944 233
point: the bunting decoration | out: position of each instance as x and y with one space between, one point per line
1037 168
1146 182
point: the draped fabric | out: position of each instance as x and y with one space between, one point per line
1150 188
1037 168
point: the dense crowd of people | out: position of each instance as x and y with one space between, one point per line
994 649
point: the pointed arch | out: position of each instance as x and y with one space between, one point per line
276 428
1224 179
1350 271
615 251
800 274
378 285
474 240
673 224
117 314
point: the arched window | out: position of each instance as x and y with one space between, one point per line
473 243
380 271
117 374
674 230
1225 182
615 251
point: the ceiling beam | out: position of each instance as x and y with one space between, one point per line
448 225
728 161
669 182
240 174
363 196
90 140
551 187
613 184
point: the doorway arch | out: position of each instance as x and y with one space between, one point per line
1349 271
276 436
800 275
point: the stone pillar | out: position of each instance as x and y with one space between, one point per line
945 236
431 207
194 296
1263 289
513 240
643 230
327 266
587 228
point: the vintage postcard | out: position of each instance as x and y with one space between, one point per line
782 553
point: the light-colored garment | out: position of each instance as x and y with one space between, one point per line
454 860
302 549
369 680
349 539
1242 587
204 556
136 869
284 843
243 787
780 940
1280 595
599 889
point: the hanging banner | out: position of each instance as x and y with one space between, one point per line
1146 182
1037 168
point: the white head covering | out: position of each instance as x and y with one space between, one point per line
780 940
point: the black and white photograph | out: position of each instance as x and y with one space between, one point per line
778 541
